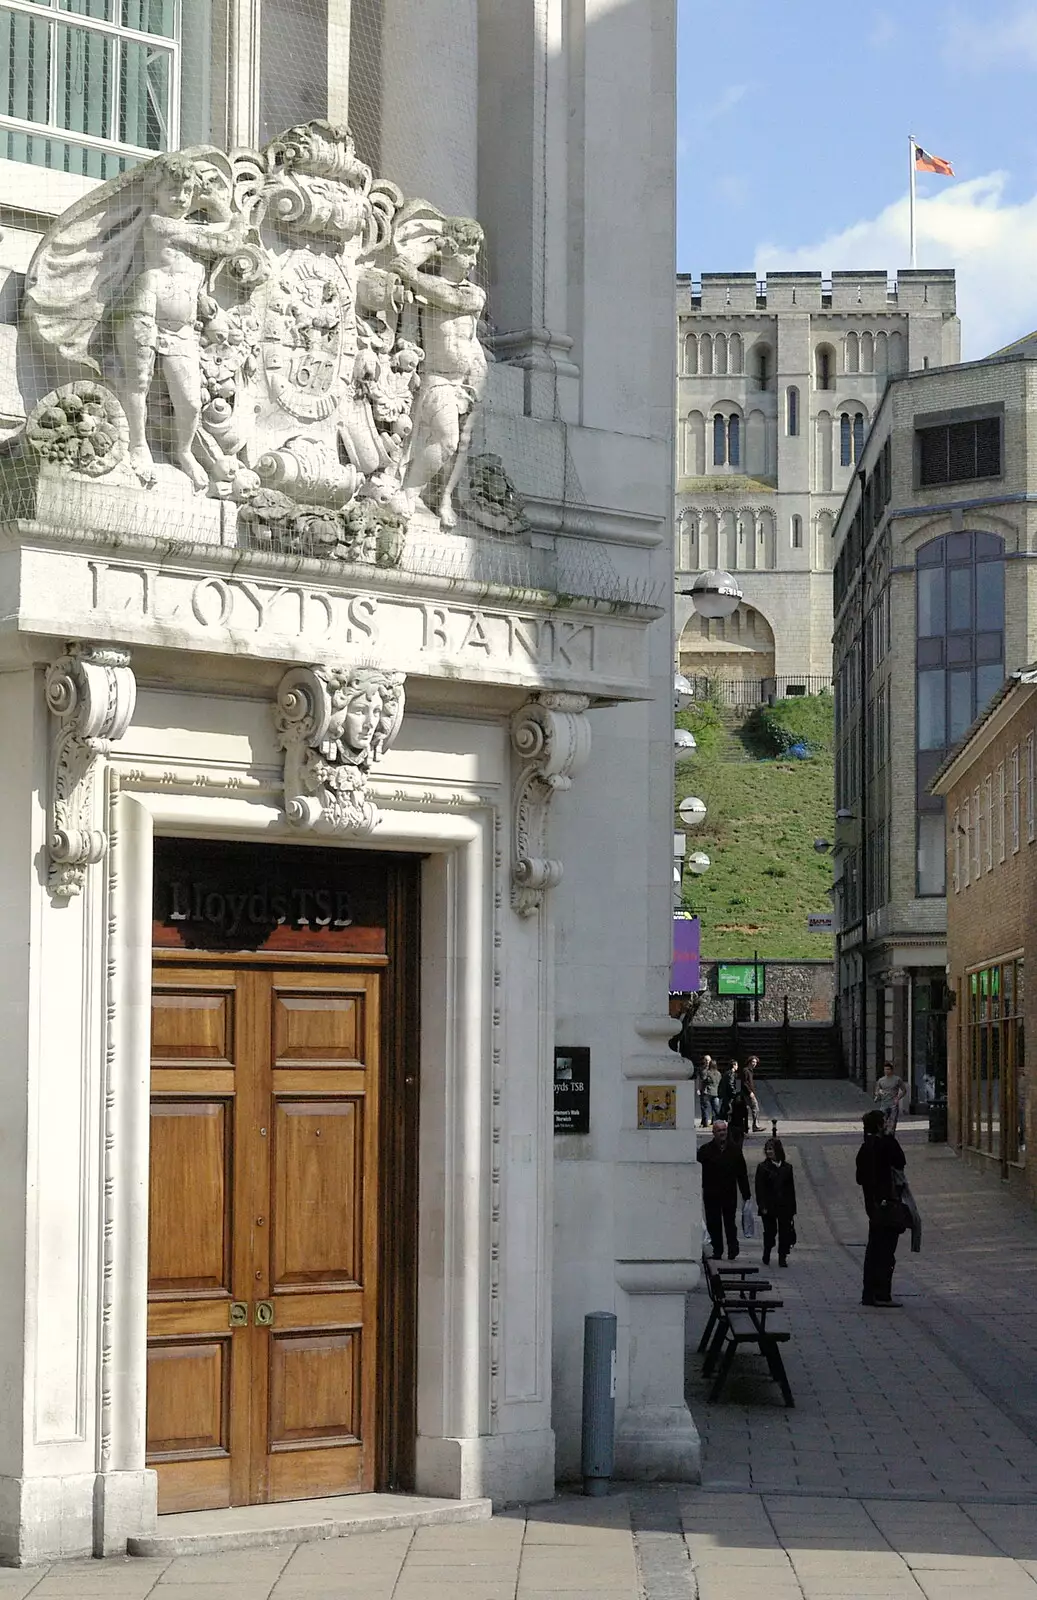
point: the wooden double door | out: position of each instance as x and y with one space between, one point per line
263 1337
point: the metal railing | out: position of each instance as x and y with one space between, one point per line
756 691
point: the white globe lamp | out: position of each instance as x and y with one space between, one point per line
683 693
692 811
698 863
714 594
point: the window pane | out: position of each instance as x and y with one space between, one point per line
931 859
858 436
734 442
988 447
961 450
989 646
960 689
85 70
719 442
930 602
144 100
988 682
932 455
959 648
959 599
990 594
932 722
844 439
25 47
293 57
930 554
149 16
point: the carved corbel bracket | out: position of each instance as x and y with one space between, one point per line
333 726
92 692
552 737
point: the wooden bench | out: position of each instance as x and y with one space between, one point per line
738 1316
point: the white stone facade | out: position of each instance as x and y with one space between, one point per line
198 663
792 368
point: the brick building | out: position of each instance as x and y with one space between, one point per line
778 381
940 511
989 787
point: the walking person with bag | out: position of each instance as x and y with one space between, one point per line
749 1072
880 1168
724 1176
776 1202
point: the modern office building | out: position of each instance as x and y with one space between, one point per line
935 601
335 660
778 382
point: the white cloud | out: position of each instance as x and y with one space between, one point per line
991 244
975 45
702 115
883 32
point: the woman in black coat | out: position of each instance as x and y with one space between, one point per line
776 1201
880 1160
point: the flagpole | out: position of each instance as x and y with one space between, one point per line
911 193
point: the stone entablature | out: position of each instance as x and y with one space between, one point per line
223 602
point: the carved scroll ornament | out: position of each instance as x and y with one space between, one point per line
92 691
552 737
333 725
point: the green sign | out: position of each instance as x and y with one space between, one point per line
741 977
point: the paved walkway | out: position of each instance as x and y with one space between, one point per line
908 1467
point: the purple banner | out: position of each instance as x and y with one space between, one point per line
684 972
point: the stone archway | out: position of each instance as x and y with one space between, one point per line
735 649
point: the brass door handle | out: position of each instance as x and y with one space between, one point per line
238 1314
264 1314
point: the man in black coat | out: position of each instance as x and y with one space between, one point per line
724 1175
878 1159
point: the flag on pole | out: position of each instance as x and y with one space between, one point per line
924 162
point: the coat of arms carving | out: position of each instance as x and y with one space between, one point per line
274 329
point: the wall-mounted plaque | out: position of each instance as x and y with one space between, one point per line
656 1105
572 1089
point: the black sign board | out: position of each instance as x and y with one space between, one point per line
572 1089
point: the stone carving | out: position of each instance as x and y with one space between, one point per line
334 725
316 337
552 738
81 425
491 500
92 691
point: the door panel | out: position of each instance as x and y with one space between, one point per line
264 1207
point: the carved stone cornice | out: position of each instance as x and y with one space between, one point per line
92 692
333 726
552 738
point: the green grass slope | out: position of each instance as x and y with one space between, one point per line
762 817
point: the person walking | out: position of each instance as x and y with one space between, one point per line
711 1088
724 1176
776 1201
749 1072
728 1085
738 1114
702 1074
879 1160
889 1091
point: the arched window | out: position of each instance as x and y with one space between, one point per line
719 441
761 365
845 441
858 435
959 655
705 354
691 355
734 441
792 411
797 533
867 353
853 353
824 367
734 353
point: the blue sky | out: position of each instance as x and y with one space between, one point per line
792 144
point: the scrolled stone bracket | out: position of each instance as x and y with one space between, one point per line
92 692
552 739
333 725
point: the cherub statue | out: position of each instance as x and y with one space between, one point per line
453 376
135 256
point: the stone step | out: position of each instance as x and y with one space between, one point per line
197 1533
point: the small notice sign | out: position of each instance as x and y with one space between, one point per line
820 922
657 1105
572 1089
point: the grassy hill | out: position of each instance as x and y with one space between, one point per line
763 814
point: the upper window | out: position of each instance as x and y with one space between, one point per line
851 437
761 365
792 411
719 441
727 440
93 87
824 367
797 533
956 452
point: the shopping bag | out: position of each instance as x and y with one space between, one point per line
749 1220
